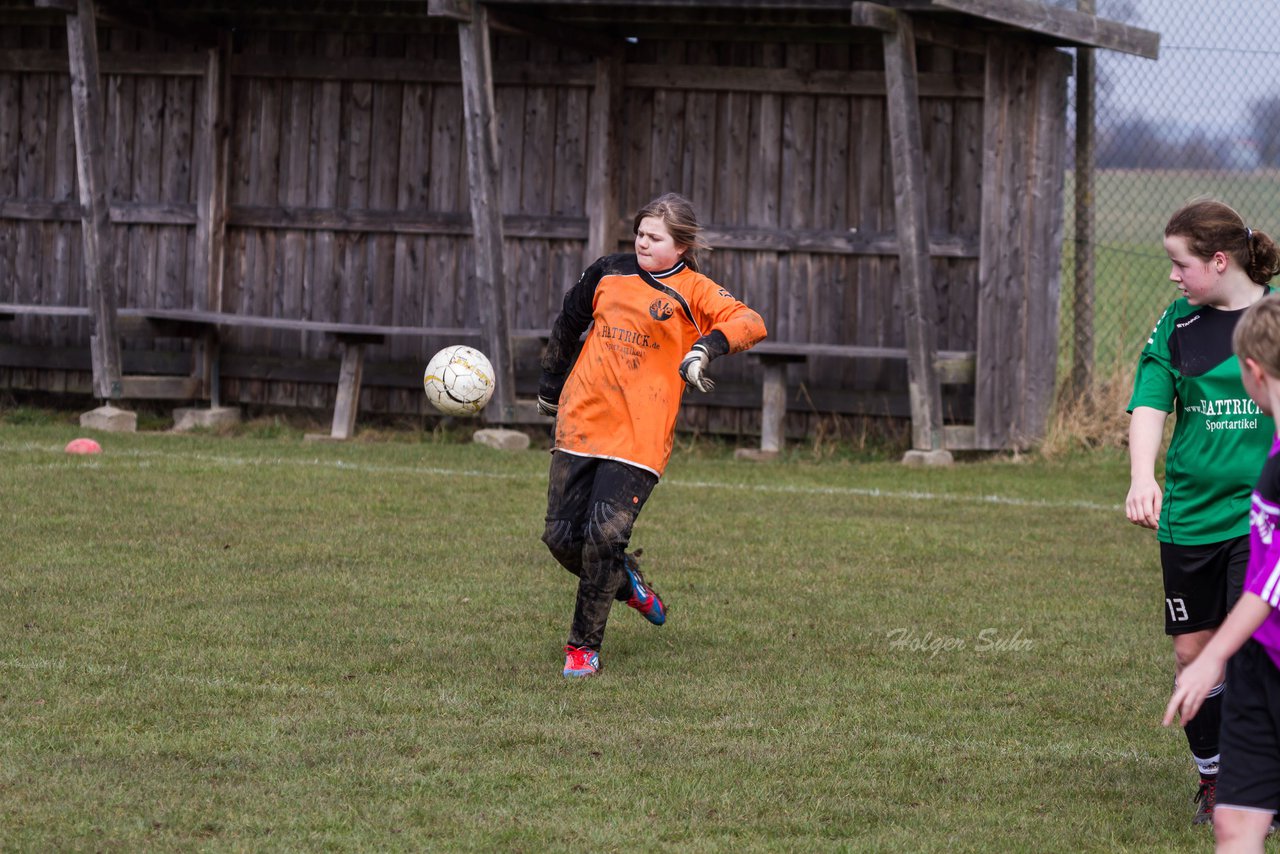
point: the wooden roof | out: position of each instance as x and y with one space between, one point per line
800 20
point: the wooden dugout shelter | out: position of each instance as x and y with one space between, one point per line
282 202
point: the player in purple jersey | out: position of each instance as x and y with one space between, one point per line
1248 643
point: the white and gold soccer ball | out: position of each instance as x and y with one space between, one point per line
458 380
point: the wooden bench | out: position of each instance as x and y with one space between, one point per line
205 326
954 367
352 339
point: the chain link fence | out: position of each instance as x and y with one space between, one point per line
1202 120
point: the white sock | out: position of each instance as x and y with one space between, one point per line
1208 767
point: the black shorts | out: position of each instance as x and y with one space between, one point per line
1250 738
576 484
1201 583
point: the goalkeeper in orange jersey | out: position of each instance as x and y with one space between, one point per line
655 324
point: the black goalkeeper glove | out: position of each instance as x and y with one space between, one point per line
693 368
549 387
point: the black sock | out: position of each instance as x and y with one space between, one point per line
1202 733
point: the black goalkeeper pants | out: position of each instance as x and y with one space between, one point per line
592 506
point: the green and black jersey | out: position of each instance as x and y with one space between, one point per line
1221 437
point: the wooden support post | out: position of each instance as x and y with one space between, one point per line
773 410
480 119
349 378
95 218
211 178
906 151
773 399
602 159
211 201
213 353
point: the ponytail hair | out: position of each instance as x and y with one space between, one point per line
1264 257
1210 226
677 213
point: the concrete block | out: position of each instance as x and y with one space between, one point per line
919 459
755 455
502 440
110 419
190 418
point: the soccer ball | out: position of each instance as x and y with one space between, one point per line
458 380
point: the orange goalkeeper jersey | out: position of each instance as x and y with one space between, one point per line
622 396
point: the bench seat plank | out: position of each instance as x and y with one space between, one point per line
954 367
847 351
220 318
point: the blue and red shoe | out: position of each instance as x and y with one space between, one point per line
580 661
643 597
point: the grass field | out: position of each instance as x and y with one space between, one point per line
255 643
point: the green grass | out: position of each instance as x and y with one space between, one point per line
257 643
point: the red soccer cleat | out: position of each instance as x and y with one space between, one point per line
580 661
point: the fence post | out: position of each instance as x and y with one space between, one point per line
1083 320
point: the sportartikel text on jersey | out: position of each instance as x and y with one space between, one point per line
621 398
1220 435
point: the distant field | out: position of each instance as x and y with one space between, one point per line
1133 206
1131 270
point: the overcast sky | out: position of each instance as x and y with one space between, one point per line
1211 65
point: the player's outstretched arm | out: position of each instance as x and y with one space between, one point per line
1206 672
1146 431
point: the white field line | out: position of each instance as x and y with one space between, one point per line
144 457
903 495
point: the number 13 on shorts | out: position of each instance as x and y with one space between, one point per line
1177 610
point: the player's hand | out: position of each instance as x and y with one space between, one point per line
693 369
549 388
1193 686
1142 505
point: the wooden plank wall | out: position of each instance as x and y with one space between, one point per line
811 162
347 182
40 261
1025 151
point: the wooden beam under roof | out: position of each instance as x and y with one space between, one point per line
556 32
144 17
1065 27
1076 28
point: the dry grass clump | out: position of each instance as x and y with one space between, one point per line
1095 419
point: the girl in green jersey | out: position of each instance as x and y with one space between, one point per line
1220 438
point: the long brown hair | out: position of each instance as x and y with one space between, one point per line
677 213
1210 226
